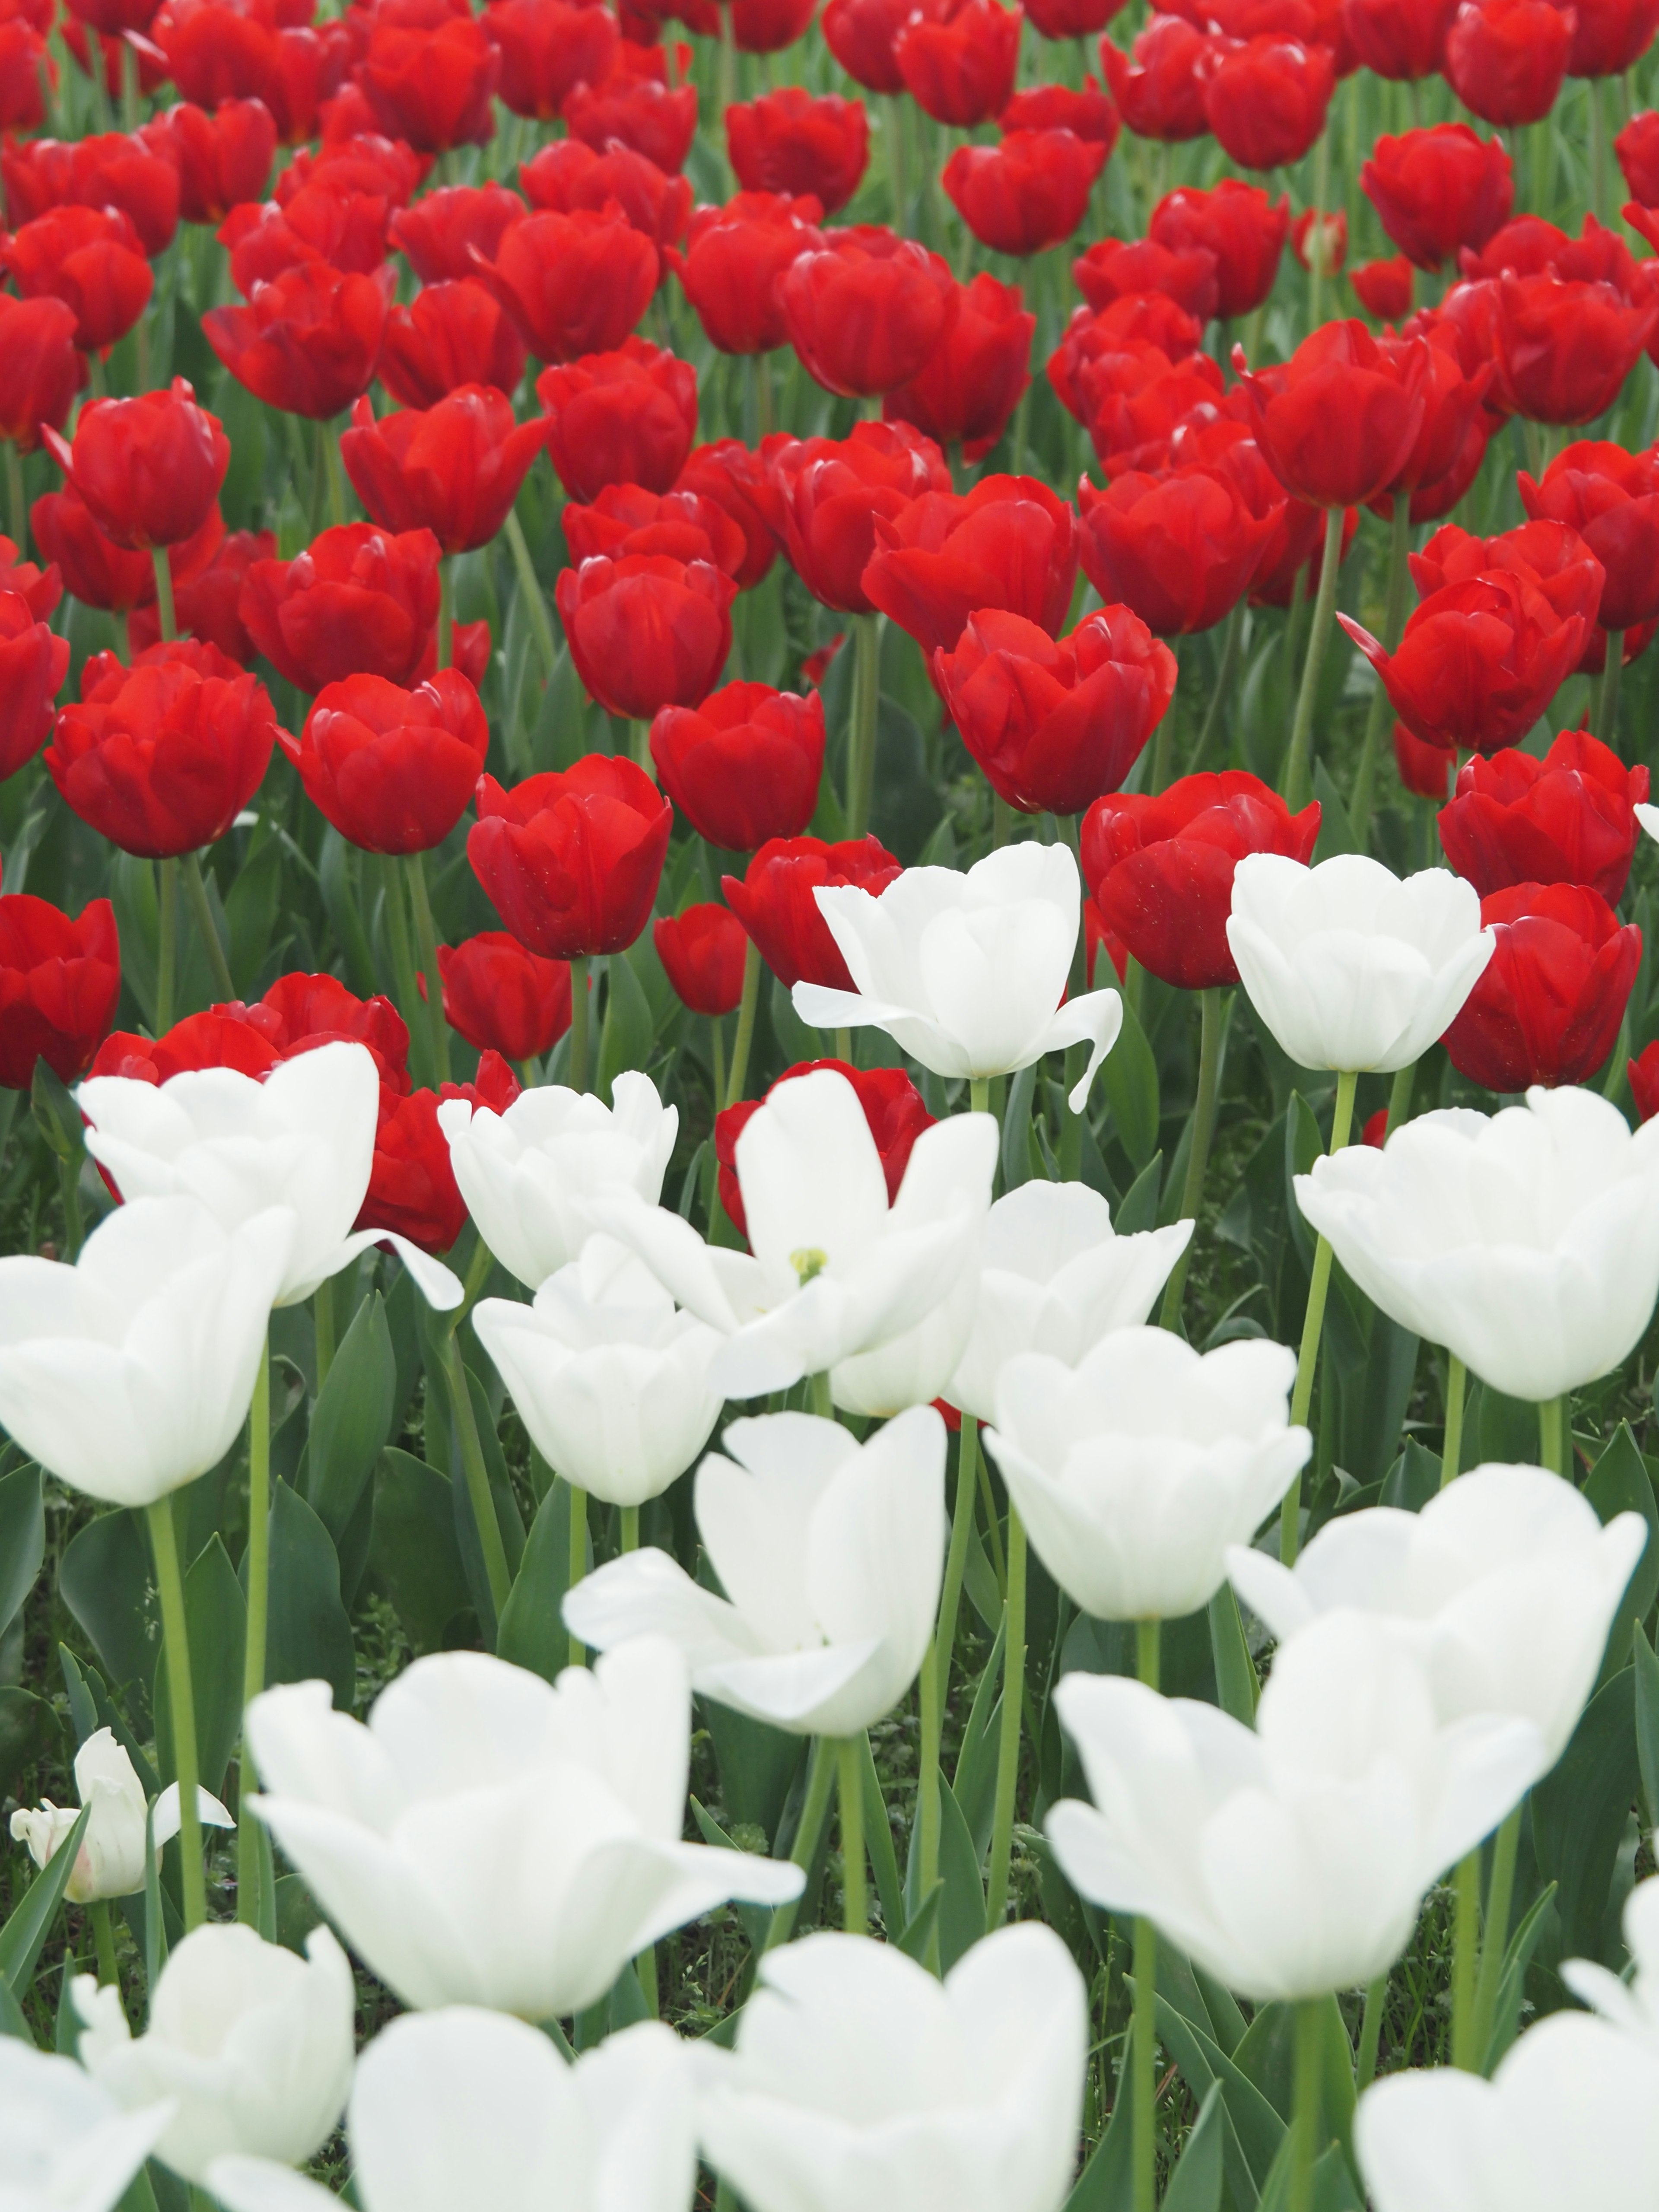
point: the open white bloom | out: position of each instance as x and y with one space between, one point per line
830 1553
65 2145
129 1374
1134 1471
966 971
836 1273
1505 1585
252 2044
302 1137
527 1175
1054 1276
610 1379
460 2108
492 1838
1526 1242
1350 967
861 2084
1633 2005
1292 1860
111 1860
1569 2122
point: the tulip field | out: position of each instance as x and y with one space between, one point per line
828 1106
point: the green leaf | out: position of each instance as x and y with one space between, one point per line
1016 1130
251 909
12 2023
757 1765
1579 1812
23 1542
962 1908
216 1616
1254 2129
1235 1671
918 1931
103 1578
1647 1720
28 1730
57 1116
1139 1208
1128 1081
27 1930
1195 2184
625 1033
756 1919
309 1632
1107 2182
352 1421
1413 1479
532 1633
1335 832
974 1781
1620 1483
413 1550
1506 2013
879 1843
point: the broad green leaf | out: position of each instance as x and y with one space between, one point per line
1139 1208
1579 1812
625 1033
105 1579
31 1920
1016 1130
352 1421
28 1730
758 1765
1647 1720
532 1633
1195 2184
878 1844
975 1780
1128 1082
1256 2127
309 1632
216 1615
22 1540
962 1908
918 1931
1107 2182
1620 1483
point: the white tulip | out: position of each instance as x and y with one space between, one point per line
111 1860
527 1175
131 1373
65 2145
610 1379
463 2108
1526 1242
1505 1585
302 1137
835 1274
1290 1861
1349 967
966 972
1569 2122
492 1838
861 2084
1134 1471
1054 1276
830 1553
1632 2005
252 2044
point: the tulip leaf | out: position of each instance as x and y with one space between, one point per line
962 1908
340 904
27 1930
1579 1812
1017 1129
1335 2189
91 1708
216 1616
1266 2055
1128 1082
29 1730
1107 2182
625 1033
12 2023
1620 1483
1236 1687
1335 830
22 1540
309 1632
758 1764
976 1777
250 912
352 1421
795 1040
756 1919
918 1930
1647 1720
1195 2184
132 893
1139 1208
1506 2013
414 1553
1255 2129
57 1116
532 1633
103 1578
878 1842
1413 1479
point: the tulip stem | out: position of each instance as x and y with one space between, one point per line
16 505
530 591
1013 1686
937 1665
253 1647
630 1538
1400 1098
1305 2102
747 1004
1552 1434
1465 1947
181 1700
446 614
477 1478
1143 2085
164 591
129 115
166 946
103 1934
1212 1025
189 867
717 1058
75 1227
1290 1522
979 1094
426 935
322 1326
893 133
1393 623
808 1832
1607 705
639 745
849 1759
861 736
1451 1442
403 967
1232 639
578 1563
576 1063
1371 2034
823 1403
1495 1943
1298 765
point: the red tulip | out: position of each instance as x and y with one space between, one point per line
1549 556
867 312
360 160
502 998
1611 35
162 757
33 665
1055 724
966 391
451 335
573 284
1425 770
647 632
206 603
1549 1001
860 34
392 769
1161 869
1181 549
1404 39
548 49
357 601
123 172
702 950
1565 349
1568 818
308 342
654 119
1157 85
1325 236
1384 288
1113 269
959 67
100 573
39 589
567 176
214 50
1338 423
625 519
437 236
1611 498
728 475
318 225
572 859
1638 149
1135 400
1265 99
90 259
1062 108
411 1185
733 260
893 1108
148 468
224 159
1644 1073
433 88
1010 543
215 1039
59 983
25 65
1506 59
622 417
1026 193
789 143
1071 19
1240 225
744 768
774 901
766 27
1131 325
40 370
453 469
300 1013
826 496
1435 190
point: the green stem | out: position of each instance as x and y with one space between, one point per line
927 1797
181 1699
862 737
253 1645
1400 1098
746 1007
1393 622
1466 1947
322 1326
1312 1323
1232 639
1002 821
639 746
1607 705
815 1809
75 1227
717 1058
823 1403
1598 134
166 954
1304 2102
131 116
576 1066
578 1563
446 612
629 1541
426 936
979 1094
189 867
403 967
1499 1899
1013 1685
1371 2034
937 1663
1211 1013
760 376
541 623
164 591
849 1759
1451 1442
477 1478
1298 766
993 1527
103 1935
1143 2082
1552 1434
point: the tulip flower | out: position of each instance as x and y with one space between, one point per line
775 900
1611 498
1567 818
117 169
1565 348
572 859
985 1008
223 159
572 284
1340 420
959 66
787 141
975 2084
1026 193
860 34
1114 270
308 342
39 368
454 468
656 119
433 88
1133 400
1055 725
622 417
92 261
1436 190
1505 58
1157 85
702 950
110 1861
357 600
393 769
647 632
547 49
1348 1800
59 983
1179 548
437 235
1637 147
24 65
1010 543
1548 1006
1385 288
64 2139
148 468
865 313
1402 40
33 665
568 175
893 1109
1236 221
1266 99
812 1635
98 572
594 1767
966 391
206 595
827 495
452 335
744 768
732 262
411 1187
502 998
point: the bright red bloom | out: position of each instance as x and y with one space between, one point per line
502 998
1611 498
572 284
1112 269
162 757
867 312
206 603
766 27
338 230
568 175
702 951
1135 400
114 169
1265 99
1161 869
860 34
825 496
452 335
359 163
733 260
625 518
433 88
1435 190
656 119
1425 770
215 50
39 589
1403 39
959 67
92 260
893 1107
437 236
25 65
357 601
728 475
215 1039
1453 414
789 143
100 573
1157 85
308 342
1062 107
1340 420
1010 543
1384 288
647 632
224 159
59 983
572 859
744 767
1611 35
1180 549
33 665
1548 1004
411 1185
300 1013
774 901
148 468
1568 818
1565 349
41 371
393 769
1506 59
547 50
622 417
1549 555
1131 325
1325 234
1644 1073
966 391
1026 193
1240 225
1071 19
454 468
1055 724
1638 149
